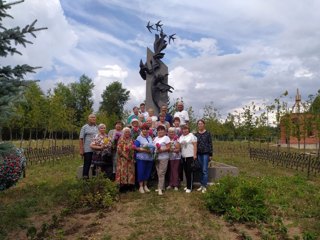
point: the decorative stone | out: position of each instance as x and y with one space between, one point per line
80 171
216 171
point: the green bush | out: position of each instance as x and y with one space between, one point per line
238 199
97 192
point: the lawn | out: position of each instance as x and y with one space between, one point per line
42 196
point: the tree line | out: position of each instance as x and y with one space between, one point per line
62 110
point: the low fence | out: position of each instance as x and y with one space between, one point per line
45 155
298 161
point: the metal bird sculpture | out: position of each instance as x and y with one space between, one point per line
159 26
172 38
149 27
154 71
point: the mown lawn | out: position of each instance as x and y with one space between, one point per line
175 215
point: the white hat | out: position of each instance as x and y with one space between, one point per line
134 120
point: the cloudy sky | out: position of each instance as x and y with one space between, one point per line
226 52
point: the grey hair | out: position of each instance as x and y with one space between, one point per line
126 129
171 129
101 125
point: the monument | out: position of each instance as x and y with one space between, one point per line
154 71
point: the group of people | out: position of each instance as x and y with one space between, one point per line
130 153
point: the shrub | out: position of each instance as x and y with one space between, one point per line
97 192
12 164
238 199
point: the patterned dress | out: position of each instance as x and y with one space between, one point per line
125 173
102 158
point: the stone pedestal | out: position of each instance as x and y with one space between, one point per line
80 170
216 171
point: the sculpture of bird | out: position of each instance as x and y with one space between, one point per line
158 26
171 37
150 26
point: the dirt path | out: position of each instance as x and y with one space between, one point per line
175 215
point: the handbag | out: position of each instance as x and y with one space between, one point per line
195 165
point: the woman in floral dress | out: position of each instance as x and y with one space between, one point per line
125 174
101 145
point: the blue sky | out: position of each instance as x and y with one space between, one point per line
226 52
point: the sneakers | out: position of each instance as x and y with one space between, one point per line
141 190
199 189
146 189
169 187
188 191
204 190
176 189
160 192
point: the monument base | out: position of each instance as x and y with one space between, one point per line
216 171
80 171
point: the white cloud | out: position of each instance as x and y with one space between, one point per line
50 44
105 76
228 52
50 84
203 47
300 73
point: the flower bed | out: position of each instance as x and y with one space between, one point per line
12 166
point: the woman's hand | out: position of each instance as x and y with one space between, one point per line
143 150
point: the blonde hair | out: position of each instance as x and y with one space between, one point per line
101 125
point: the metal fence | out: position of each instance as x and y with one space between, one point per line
299 161
51 154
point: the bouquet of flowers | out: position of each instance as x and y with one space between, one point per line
173 145
149 146
115 139
135 132
156 152
150 133
107 146
129 150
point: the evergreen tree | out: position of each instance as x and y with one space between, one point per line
114 97
12 82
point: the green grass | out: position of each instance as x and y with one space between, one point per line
42 190
290 194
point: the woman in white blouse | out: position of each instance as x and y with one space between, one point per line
162 144
188 144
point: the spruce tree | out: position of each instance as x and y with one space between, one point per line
12 78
